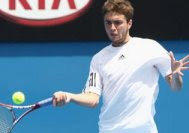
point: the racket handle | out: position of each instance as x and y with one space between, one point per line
45 102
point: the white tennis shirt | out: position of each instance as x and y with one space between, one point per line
127 78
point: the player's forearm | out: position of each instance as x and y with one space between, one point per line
175 81
85 99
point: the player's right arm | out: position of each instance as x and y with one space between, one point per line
91 93
88 99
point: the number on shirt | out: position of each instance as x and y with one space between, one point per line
92 80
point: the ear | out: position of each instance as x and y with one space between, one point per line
130 22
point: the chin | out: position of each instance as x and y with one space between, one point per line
117 43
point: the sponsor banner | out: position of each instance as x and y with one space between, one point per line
42 12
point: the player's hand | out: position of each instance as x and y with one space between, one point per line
60 98
178 66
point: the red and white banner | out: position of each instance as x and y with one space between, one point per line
42 12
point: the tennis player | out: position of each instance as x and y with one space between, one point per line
126 74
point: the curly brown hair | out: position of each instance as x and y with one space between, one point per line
119 6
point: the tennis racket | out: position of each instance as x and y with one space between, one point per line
8 118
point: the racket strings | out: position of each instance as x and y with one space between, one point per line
6 120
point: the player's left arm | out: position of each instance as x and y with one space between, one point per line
175 78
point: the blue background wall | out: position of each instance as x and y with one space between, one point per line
41 69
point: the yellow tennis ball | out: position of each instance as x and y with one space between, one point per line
18 97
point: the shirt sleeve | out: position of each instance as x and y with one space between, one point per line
94 83
163 60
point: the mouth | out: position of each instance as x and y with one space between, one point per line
113 35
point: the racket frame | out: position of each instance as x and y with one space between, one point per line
30 108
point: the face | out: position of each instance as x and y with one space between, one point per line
117 28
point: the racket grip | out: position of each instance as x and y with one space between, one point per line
45 102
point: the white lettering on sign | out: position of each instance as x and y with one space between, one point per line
43 12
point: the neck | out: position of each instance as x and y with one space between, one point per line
119 44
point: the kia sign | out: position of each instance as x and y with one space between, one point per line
42 12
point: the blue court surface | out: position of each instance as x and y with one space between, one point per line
40 69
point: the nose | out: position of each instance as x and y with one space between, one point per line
112 27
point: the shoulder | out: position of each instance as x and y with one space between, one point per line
149 48
101 54
147 43
99 57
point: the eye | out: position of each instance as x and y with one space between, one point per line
114 22
108 22
117 22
